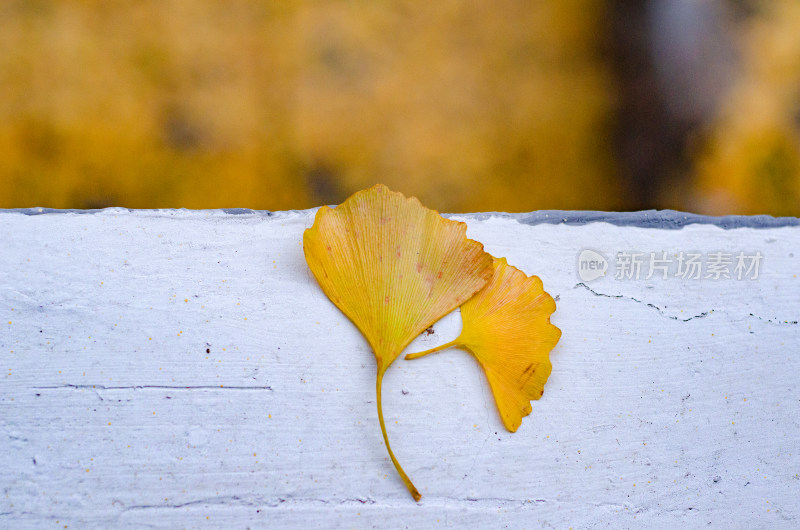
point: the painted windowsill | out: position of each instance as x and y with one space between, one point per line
183 368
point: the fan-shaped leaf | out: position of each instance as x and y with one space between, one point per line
394 268
507 328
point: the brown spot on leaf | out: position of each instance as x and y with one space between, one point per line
530 368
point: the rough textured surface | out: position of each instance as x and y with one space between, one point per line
184 369
666 219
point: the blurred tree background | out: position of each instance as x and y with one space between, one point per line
511 105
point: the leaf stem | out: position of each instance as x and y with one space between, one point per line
432 350
406 480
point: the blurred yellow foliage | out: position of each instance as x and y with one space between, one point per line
470 106
751 163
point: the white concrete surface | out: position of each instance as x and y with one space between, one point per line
183 369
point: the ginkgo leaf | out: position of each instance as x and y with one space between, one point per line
394 268
507 328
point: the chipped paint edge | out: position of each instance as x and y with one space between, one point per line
659 219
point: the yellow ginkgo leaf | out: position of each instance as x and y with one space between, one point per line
507 328
394 268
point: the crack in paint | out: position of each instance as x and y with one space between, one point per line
146 387
237 500
648 304
776 321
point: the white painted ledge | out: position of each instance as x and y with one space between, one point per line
183 369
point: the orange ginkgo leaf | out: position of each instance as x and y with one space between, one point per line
507 328
394 268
